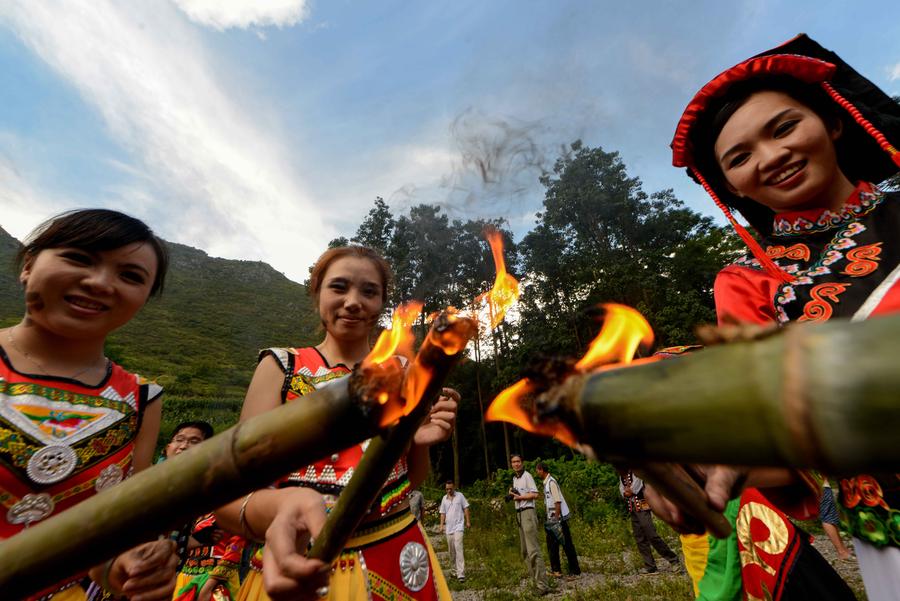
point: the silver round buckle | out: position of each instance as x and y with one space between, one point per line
110 476
52 464
414 568
31 508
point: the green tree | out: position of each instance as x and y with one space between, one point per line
601 238
377 229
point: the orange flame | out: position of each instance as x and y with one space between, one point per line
383 360
513 406
506 288
624 330
451 338
399 339
417 378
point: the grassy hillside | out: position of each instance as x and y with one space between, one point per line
200 339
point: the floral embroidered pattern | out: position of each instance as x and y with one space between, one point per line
795 251
863 260
829 219
819 309
865 512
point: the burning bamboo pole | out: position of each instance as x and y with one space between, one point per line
244 458
816 396
822 396
424 380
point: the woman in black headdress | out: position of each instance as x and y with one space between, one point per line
797 142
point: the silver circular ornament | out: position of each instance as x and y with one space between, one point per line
334 458
110 476
31 508
414 568
52 464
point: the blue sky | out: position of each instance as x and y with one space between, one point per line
260 129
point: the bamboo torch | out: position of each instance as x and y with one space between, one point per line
820 396
438 354
823 396
244 458
450 333
524 404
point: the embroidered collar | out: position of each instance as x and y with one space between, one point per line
863 199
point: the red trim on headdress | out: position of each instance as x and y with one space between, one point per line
757 250
863 122
804 68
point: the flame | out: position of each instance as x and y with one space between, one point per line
451 336
624 330
399 339
383 362
513 405
506 288
417 378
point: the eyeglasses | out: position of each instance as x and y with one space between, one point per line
190 441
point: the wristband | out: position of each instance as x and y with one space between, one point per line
245 526
104 580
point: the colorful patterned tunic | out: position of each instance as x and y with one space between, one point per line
62 441
846 264
220 561
389 558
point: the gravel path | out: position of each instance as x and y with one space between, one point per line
592 576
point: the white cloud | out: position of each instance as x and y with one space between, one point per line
894 72
24 207
205 173
226 14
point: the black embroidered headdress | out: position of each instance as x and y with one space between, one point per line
872 129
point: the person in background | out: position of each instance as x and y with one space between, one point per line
81 423
524 492
213 556
454 521
557 524
417 504
831 522
645 535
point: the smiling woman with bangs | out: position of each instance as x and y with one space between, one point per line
389 556
80 423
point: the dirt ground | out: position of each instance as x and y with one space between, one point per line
592 575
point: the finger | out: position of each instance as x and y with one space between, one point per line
723 484
149 557
157 578
162 592
292 576
443 419
444 404
452 393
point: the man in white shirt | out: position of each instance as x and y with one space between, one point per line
454 520
524 492
557 529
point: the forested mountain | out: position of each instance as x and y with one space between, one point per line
599 238
201 337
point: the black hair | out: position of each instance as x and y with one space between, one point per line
514 455
450 482
95 230
710 125
204 427
540 465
